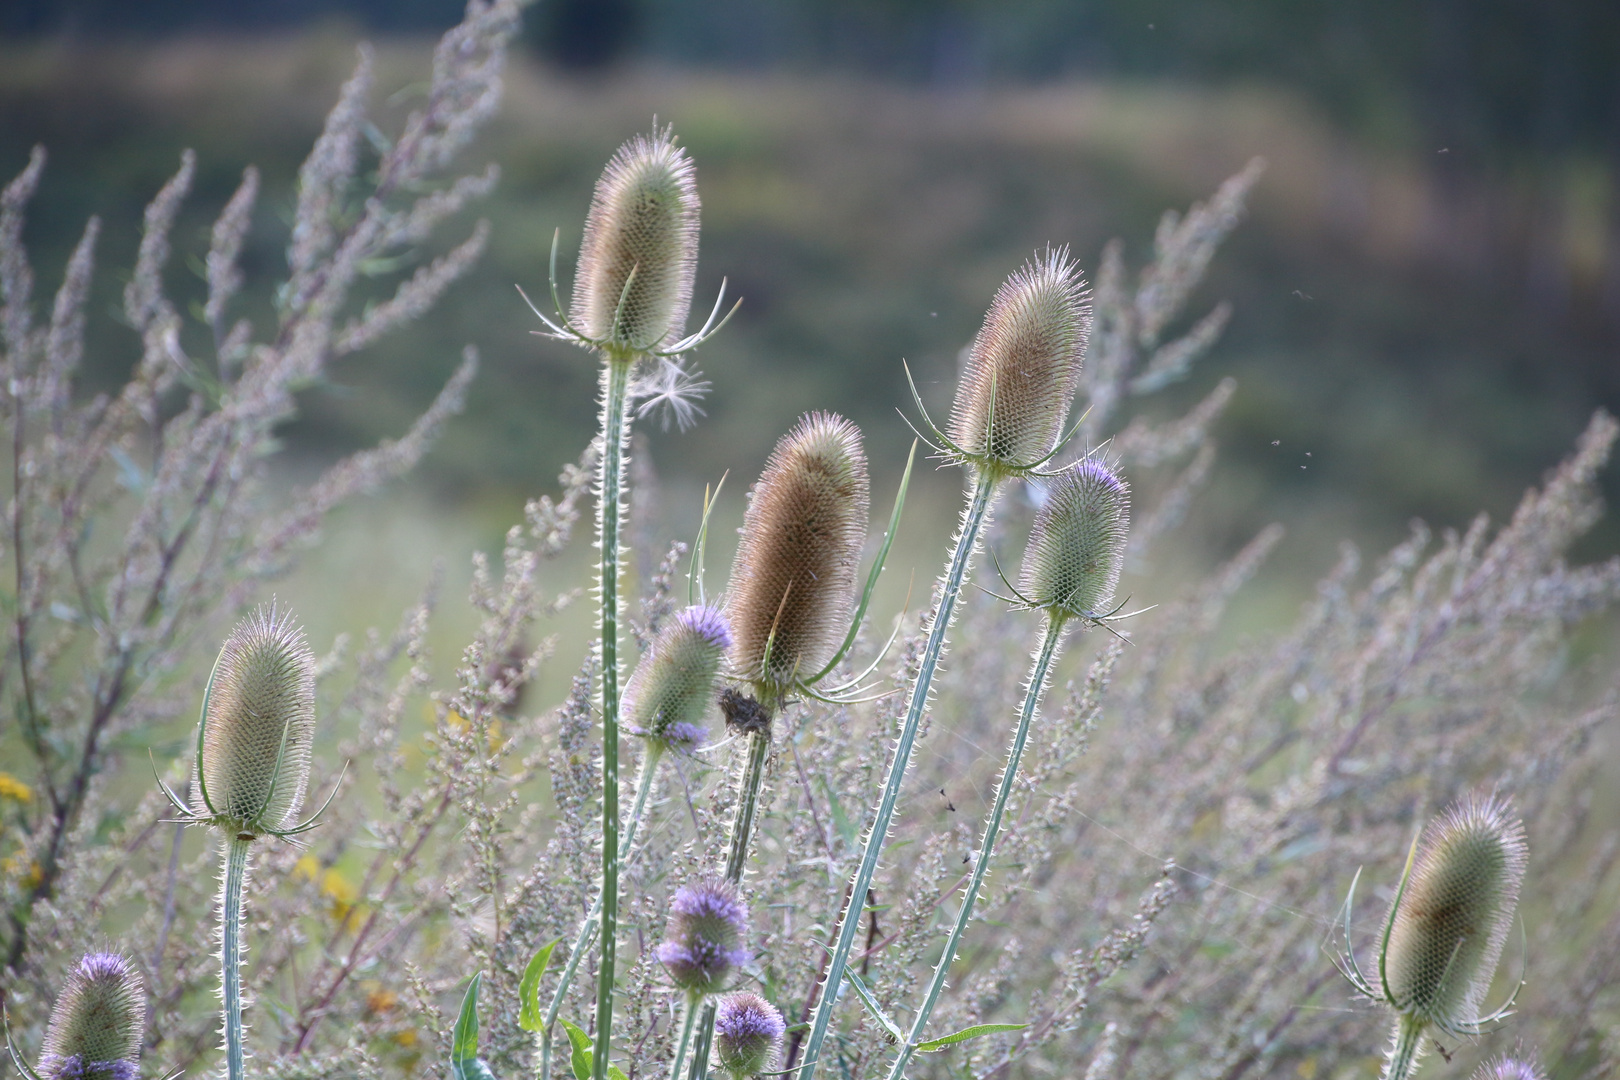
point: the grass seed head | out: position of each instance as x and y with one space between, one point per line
748 1034
1024 365
643 217
97 1025
793 584
705 940
1454 915
1077 543
259 726
673 685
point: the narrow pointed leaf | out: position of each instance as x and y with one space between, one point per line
974 1032
529 1015
872 1006
581 1060
464 1060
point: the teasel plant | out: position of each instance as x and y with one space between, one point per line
1446 928
632 289
796 605
1007 421
669 692
96 1027
705 943
1071 569
254 742
748 1034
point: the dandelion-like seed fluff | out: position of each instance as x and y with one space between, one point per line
98 1022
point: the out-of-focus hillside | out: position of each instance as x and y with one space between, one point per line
1378 377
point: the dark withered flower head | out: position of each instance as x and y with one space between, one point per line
259 725
748 1034
1454 914
1024 366
793 583
643 218
98 1022
1077 543
705 940
673 685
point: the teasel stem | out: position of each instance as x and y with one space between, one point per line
233 876
592 921
615 444
742 828
1406 1047
1037 685
956 572
694 1005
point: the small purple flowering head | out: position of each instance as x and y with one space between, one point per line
673 685
705 938
98 1022
747 1034
1516 1067
1077 543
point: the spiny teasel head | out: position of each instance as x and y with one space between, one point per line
793 584
1077 543
643 218
1515 1067
98 1023
259 724
747 1034
673 685
1024 366
1453 915
705 940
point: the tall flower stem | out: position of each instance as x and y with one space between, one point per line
967 541
1405 1049
742 828
588 926
694 1004
992 828
609 506
232 876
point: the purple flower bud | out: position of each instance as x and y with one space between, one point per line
673 685
704 941
747 1034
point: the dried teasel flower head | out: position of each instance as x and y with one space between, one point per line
1077 543
705 938
259 724
98 1022
1516 1067
747 1034
1452 915
1024 366
793 584
643 221
673 685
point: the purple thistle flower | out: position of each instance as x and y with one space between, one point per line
98 1022
704 941
747 1034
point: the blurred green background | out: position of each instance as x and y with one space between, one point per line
1427 291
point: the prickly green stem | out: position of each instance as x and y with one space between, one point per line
694 1004
232 877
609 504
992 827
1406 1047
703 1044
587 928
956 572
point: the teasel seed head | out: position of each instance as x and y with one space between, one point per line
1077 543
1024 366
673 685
793 584
747 1034
1453 916
98 1022
1516 1067
705 940
259 724
643 218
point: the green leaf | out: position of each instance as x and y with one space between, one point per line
974 1032
872 1005
464 1061
616 1073
529 1015
581 1061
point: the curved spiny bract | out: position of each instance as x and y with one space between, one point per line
793 583
673 685
1024 367
748 1034
643 221
98 1022
1453 916
1077 542
259 725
